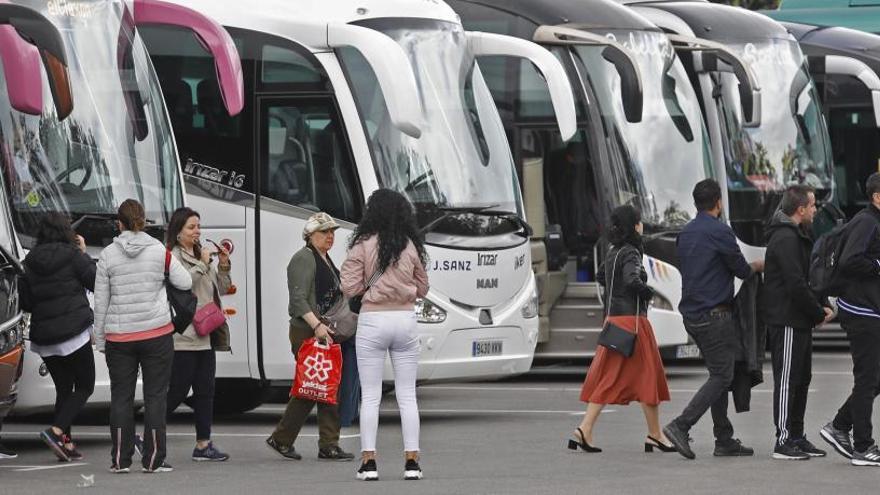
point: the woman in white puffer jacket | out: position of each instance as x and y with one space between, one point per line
133 327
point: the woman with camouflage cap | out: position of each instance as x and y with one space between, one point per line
313 286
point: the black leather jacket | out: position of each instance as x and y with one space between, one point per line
630 281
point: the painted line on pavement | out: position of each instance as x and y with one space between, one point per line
22 468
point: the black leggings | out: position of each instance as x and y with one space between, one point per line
74 377
194 369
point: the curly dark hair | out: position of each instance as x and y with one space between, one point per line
390 216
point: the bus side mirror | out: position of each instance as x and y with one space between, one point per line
392 68
848 66
213 38
749 90
561 95
21 62
632 91
630 82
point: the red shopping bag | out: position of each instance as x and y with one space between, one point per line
318 371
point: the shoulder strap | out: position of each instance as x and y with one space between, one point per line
167 261
611 285
373 279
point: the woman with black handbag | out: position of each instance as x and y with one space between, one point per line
195 361
627 365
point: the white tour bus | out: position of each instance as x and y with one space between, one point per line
115 144
344 98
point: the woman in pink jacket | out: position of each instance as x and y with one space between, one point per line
386 265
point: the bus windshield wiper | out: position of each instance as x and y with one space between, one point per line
105 217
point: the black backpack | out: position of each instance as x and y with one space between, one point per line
825 279
182 302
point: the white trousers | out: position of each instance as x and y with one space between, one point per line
379 333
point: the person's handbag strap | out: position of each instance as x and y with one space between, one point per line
167 262
611 292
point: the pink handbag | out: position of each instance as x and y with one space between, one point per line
208 318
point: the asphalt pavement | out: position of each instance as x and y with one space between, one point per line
502 437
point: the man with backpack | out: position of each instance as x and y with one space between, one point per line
791 312
859 314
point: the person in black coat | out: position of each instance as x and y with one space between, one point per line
53 290
791 311
859 315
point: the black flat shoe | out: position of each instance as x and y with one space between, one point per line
653 443
574 444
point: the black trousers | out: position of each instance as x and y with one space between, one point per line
791 350
194 370
864 346
715 335
154 357
74 378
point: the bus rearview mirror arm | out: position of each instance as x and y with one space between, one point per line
21 61
630 77
213 38
848 66
561 95
392 68
749 90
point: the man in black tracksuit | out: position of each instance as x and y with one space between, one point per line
791 311
859 314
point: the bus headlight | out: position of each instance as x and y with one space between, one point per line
660 302
428 312
530 308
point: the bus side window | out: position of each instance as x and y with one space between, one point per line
305 161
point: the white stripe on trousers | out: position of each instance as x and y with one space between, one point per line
785 382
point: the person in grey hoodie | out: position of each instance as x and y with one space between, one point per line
133 327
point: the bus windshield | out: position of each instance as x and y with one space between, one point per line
790 147
462 161
115 145
656 162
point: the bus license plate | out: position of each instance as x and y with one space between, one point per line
486 348
687 351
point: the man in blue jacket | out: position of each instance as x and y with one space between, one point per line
859 315
791 312
709 260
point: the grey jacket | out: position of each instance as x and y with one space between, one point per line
204 279
130 286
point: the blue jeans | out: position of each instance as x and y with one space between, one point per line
350 387
715 335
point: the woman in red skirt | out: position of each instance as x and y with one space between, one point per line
613 378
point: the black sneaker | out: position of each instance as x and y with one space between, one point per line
6 452
161 468
679 439
72 453
789 451
209 453
732 448
412 470
368 471
334 453
838 439
808 448
870 457
285 451
56 443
